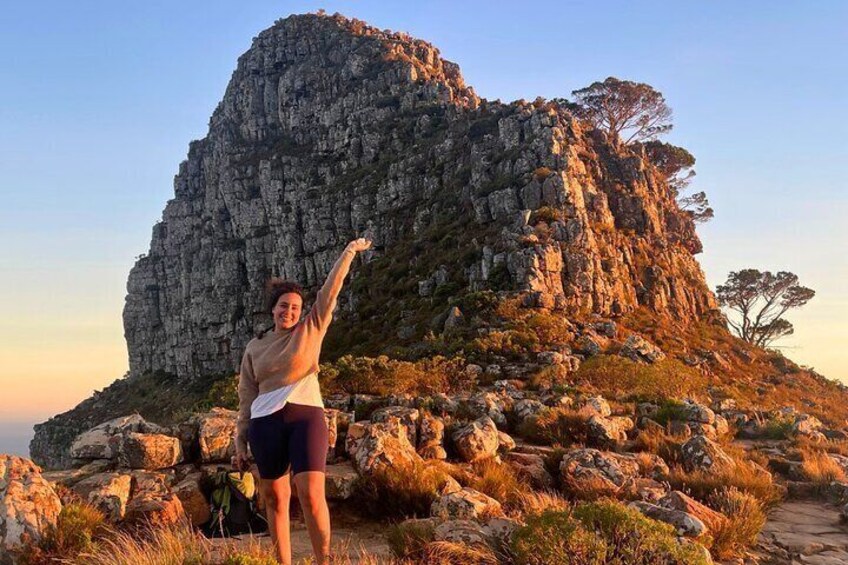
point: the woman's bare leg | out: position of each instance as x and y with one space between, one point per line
310 492
277 494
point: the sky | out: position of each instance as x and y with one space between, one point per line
99 100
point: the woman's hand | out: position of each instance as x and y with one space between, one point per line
241 461
360 244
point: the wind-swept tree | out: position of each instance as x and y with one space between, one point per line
761 299
627 111
676 163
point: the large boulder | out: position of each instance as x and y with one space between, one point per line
467 504
610 431
408 417
431 437
490 404
215 435
701 453
193 501
109 492
374 446
676 500
95 443
28 504
685 524
591 469
147 451
477 440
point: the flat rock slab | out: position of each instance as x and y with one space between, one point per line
808 532
347 541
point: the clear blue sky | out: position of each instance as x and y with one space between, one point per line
98 101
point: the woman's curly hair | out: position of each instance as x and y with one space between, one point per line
275 288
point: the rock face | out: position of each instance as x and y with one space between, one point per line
329 129
28 504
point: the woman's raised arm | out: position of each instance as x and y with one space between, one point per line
325 302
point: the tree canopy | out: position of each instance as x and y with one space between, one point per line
761 299
627 111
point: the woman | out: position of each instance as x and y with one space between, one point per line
281 413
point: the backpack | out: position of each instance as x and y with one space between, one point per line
233 505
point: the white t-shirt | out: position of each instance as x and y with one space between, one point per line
306 391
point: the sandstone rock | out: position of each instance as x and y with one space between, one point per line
408 418
340 481
477 440
587 345
463 531
530 468
609 431
431 437
596 405
638 348
465 504
193 501
702 453
28 504
526 408
109 492
154 509
147 451
489 404
505 442
373 446
685 524
94 443
695 412
215 433
676 500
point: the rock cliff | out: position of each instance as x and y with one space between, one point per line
331 129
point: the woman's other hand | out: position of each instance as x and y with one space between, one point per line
360 244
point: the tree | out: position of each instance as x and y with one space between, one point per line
627 111
675 163
761 299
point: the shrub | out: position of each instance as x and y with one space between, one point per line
744 476
745 519
497 480
77 530
615 377
818 467
598 533
401 491
564 426
408 540
383 376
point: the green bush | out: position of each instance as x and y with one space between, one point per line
602 532
77 530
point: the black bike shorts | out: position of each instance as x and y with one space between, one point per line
294 437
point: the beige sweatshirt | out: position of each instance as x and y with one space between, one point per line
279 359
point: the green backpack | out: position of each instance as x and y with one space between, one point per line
233 505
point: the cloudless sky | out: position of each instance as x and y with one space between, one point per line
99 100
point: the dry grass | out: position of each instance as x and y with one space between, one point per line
402 491
702 485
451 553
497 480
563 426
536 502
745 519
173 545
617 377
819 468
660 442
77 530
